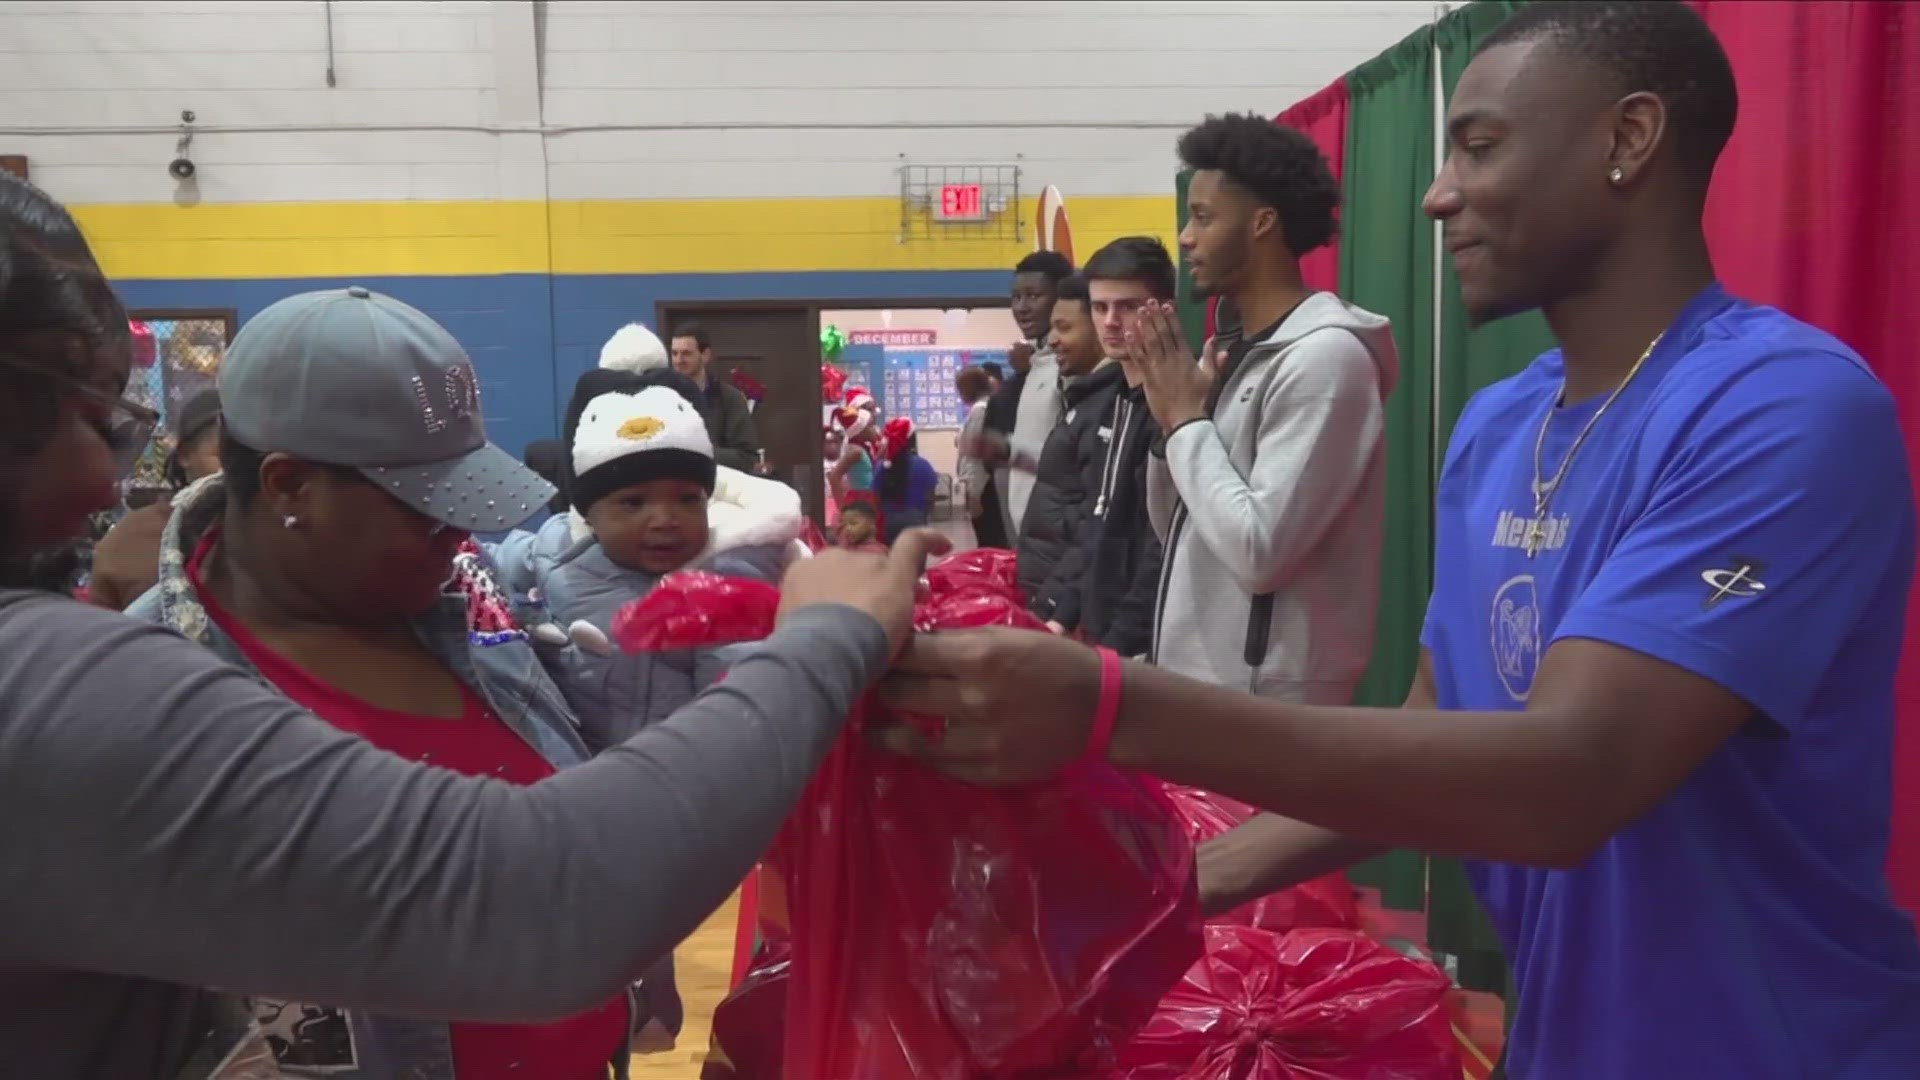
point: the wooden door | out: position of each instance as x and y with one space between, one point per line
778 348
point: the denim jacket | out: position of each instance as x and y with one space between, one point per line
287 1039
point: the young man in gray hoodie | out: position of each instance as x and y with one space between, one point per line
1268 486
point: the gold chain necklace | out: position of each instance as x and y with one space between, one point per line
1543 490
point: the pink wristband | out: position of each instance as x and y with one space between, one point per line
1108 711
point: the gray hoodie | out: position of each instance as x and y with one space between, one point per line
1271 512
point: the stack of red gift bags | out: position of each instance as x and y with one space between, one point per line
914 926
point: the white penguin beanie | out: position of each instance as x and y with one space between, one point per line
633 348
631 438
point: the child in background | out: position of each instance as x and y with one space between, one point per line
647 500
861 444
907 482
860 527
836 458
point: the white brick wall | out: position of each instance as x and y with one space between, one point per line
117 75
823 98
646 99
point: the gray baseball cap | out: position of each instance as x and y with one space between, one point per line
350 377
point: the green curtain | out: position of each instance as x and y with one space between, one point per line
1193 310
1469 360
1386 266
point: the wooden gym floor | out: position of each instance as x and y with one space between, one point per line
703 964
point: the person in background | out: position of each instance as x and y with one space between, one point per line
1053 555
863 442
126 562
975 385
1123 554
548 460
907 483
1657 697
860 526
325 574
275 855
833 451
1025 409
729 415
1268 488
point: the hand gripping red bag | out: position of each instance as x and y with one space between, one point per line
1304 1005
945 931
1329 901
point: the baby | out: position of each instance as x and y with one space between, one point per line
647 500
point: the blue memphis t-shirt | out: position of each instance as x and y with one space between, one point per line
1743 511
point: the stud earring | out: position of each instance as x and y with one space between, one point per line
290 522
1617 175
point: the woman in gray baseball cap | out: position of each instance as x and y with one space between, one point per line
175 823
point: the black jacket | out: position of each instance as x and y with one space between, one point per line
1123 578
729 417
1053 553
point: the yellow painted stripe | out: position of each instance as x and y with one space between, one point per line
280 240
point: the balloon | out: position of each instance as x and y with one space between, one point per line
832 343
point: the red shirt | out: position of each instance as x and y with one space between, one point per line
476 744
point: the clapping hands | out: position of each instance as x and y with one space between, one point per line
1177 385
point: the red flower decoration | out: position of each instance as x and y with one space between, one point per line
833 382
749 386
145 349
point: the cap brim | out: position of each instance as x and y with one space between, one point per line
484 490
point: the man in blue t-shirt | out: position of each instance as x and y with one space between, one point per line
1672 557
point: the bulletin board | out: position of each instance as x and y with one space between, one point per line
918 384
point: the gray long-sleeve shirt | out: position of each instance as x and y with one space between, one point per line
171 823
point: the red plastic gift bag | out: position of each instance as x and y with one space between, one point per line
1329 901
694 609
988 569
945 931
749 1026
1305 1005
813 538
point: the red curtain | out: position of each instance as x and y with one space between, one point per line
1814 210
1323 118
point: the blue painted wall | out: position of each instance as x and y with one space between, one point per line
531 335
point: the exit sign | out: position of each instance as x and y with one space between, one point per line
961 202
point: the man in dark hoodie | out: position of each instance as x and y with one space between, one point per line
1122 552
1053 551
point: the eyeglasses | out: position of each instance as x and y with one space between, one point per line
129 426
